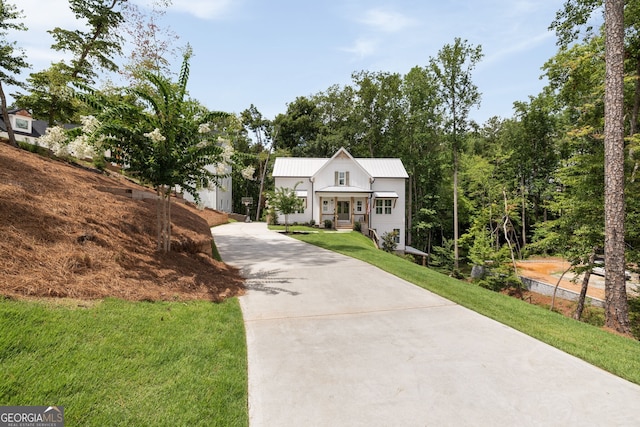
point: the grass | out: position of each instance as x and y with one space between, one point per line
613 353
124 363
294 228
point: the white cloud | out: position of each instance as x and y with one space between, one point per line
515 48
386 20
42 16
362 48
203 9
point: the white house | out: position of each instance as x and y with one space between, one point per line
347 190
25 128
217 197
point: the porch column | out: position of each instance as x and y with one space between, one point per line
352 209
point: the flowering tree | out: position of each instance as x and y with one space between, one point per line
285 201
163 138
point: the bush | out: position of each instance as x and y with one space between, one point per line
312 222
389 241
100 163
499 282
328 223
357 227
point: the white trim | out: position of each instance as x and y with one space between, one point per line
385 195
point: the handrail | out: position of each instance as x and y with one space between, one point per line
373 235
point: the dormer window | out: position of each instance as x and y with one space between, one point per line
22 124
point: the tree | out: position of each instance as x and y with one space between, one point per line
152 44
419 148
165 139
11 59
616 307
95 47
262 129
50 98
92 49
452 68
298 129
286 201
378 113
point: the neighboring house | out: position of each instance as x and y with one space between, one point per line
217 197
29 130
346 190
25 128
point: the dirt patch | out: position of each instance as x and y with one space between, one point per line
66 233
549 270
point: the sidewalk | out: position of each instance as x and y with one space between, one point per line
333 341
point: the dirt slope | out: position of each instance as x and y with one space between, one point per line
69 232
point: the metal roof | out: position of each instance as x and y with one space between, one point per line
297 166
306 167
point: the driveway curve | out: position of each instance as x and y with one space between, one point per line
333 341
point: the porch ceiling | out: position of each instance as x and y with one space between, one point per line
343 190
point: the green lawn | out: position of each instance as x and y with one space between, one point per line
610 352
121 363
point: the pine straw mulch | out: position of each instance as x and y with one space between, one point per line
64 233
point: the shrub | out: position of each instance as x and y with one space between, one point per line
389 241
328 223
312 222
357 226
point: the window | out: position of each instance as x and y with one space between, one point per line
359 206
383 206
396 235
22 124
327 206
341 179
302 205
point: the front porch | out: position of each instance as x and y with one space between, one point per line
344 212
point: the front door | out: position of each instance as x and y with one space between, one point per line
343 211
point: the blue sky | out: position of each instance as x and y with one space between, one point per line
267 53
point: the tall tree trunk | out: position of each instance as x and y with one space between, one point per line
455 209
616 305
159 226
5 117
506 233
583 290
163 213
262 178
524 213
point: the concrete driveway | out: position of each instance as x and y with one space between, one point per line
333 341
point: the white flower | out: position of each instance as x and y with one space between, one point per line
155 136
247 173
89 124
227 151
204 128
221 169
54 135
81 148
55 139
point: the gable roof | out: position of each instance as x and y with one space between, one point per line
38 127
299 167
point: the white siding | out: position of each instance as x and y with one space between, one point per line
384 223
305 185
